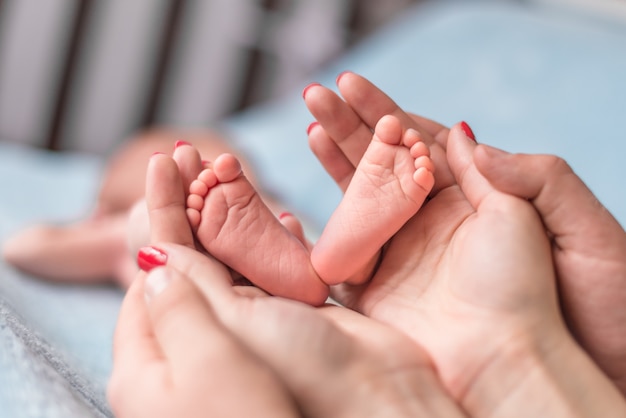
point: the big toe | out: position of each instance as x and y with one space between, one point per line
227 168
389 130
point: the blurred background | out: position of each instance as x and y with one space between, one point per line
85 74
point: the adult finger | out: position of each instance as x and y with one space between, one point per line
165 199
569 209
206 358
330 155
184 325
302 347
339 120
460 155
133 341
370 103
208 273
134 346
438 131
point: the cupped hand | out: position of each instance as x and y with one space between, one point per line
471 271
328 361
172 356
588 247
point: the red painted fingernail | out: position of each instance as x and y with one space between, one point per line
468 131
341 75
284 215
150 257
308 87
311 126
180 144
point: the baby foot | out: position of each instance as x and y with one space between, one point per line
234 225
390 184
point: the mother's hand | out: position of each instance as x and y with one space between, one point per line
432 281
172 356
269 353
470 276
588 248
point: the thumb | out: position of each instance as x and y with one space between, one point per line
569 210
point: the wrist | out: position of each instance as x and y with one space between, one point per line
546 376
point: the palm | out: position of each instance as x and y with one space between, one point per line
446 277
453 278
368 355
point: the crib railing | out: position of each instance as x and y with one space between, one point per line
84 74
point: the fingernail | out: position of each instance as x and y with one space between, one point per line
468 131
284 215
307 89
311 126
157 153
156 282
150 257
341 75
180 144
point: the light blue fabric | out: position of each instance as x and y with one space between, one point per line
55 349
526 80
37 380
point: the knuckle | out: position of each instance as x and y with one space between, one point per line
556 165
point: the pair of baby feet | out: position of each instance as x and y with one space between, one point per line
232 222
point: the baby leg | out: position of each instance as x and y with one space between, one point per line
233 224
91 251
390 184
